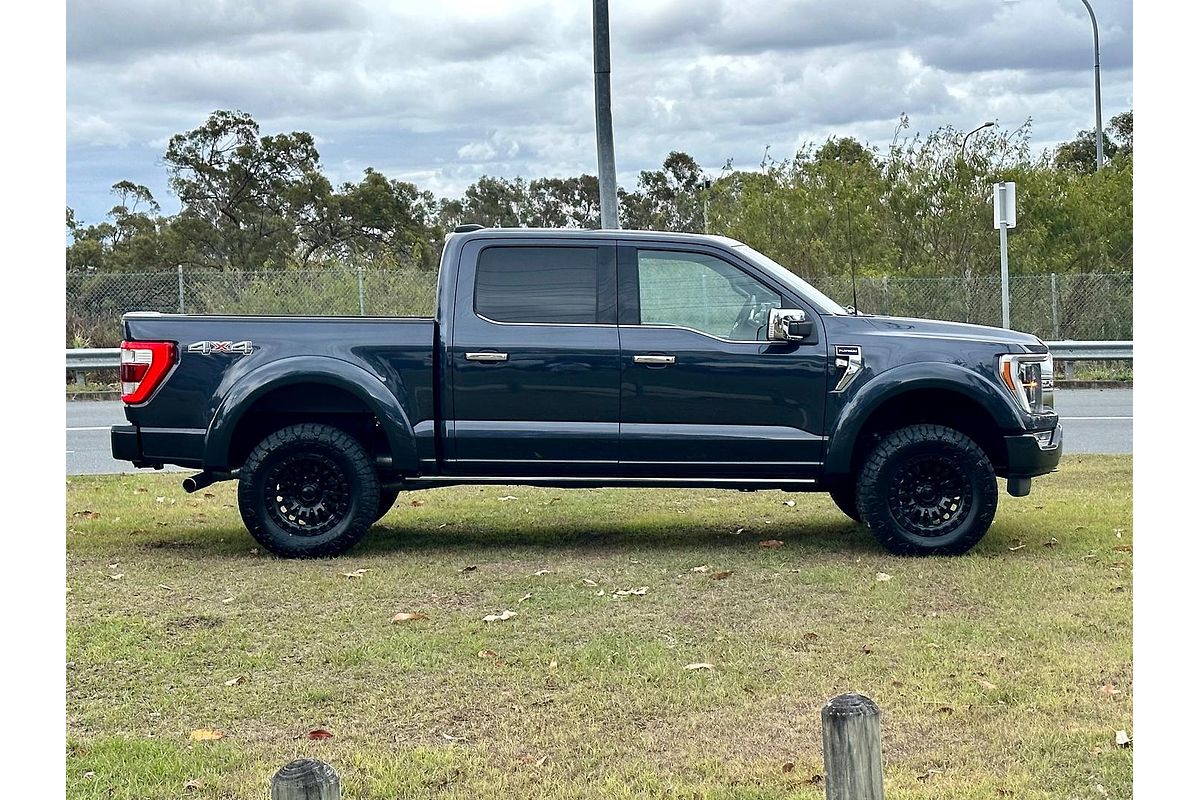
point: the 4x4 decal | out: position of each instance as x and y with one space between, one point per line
205 348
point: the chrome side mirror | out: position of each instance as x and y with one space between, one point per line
788 325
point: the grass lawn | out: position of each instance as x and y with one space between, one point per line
1003 673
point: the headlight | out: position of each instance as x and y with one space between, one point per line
1022 374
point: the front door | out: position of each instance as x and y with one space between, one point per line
702 390
534 359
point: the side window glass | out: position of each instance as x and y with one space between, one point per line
698 291
537 284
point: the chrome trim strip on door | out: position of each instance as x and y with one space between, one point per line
487 356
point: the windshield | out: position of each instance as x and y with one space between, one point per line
791 280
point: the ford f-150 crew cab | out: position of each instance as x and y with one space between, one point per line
594 358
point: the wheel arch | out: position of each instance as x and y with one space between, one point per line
936 393
331 379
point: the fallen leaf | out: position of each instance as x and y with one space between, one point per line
488 654
138 490
722 575
1124 548
509 497
928 774
788 766
553 665
810 637
118 576
469 568
235 681
866 648
771 544
790 503
358 573
229 600
408 616
1122 739
194 784
945 710
1021 546
701 568
89 774
160 499
1051 543
1110 689
700 666
590 582
1097 750
815 779
527 596
987 685
542 572
209 495
417 503
882 576
501 617
206 735
86 514
739 531
319 734
641 590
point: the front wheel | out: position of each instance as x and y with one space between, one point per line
927 490
308 491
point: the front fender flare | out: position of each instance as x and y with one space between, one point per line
360 382
898 381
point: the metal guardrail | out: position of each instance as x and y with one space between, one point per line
84 359
1091 351
87 358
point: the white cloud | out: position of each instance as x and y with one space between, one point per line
441 93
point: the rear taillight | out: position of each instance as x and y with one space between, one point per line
143 367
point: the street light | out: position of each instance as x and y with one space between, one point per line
1099 128
1096 50
962 150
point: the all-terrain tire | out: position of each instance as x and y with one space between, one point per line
927 490
844 494
308 491
387 499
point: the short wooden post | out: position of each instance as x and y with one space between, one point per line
853 748
306 779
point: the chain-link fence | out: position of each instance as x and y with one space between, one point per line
1054 307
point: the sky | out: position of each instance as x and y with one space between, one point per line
441 93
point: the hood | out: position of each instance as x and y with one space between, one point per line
938 329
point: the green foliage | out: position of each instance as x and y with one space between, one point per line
919 208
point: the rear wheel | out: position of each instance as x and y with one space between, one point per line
927 490
844 496
308 491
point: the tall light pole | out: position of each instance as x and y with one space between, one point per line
1099 124
962 150
607 162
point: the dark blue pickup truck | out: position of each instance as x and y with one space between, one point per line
594 358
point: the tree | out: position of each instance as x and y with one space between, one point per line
1079 154
240 192
668 199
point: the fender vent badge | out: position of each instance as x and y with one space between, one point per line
848 358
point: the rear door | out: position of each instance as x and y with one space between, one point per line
703 391
535 358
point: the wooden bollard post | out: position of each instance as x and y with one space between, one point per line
853 748
306 779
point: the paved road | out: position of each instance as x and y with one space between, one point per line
1095 421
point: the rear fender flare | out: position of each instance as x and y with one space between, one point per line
898 381
363 384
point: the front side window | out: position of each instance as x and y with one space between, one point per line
704 293
537 284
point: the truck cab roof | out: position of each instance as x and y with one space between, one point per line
594 234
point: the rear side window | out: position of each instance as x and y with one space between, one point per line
537 284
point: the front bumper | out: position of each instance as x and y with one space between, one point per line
1032 454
